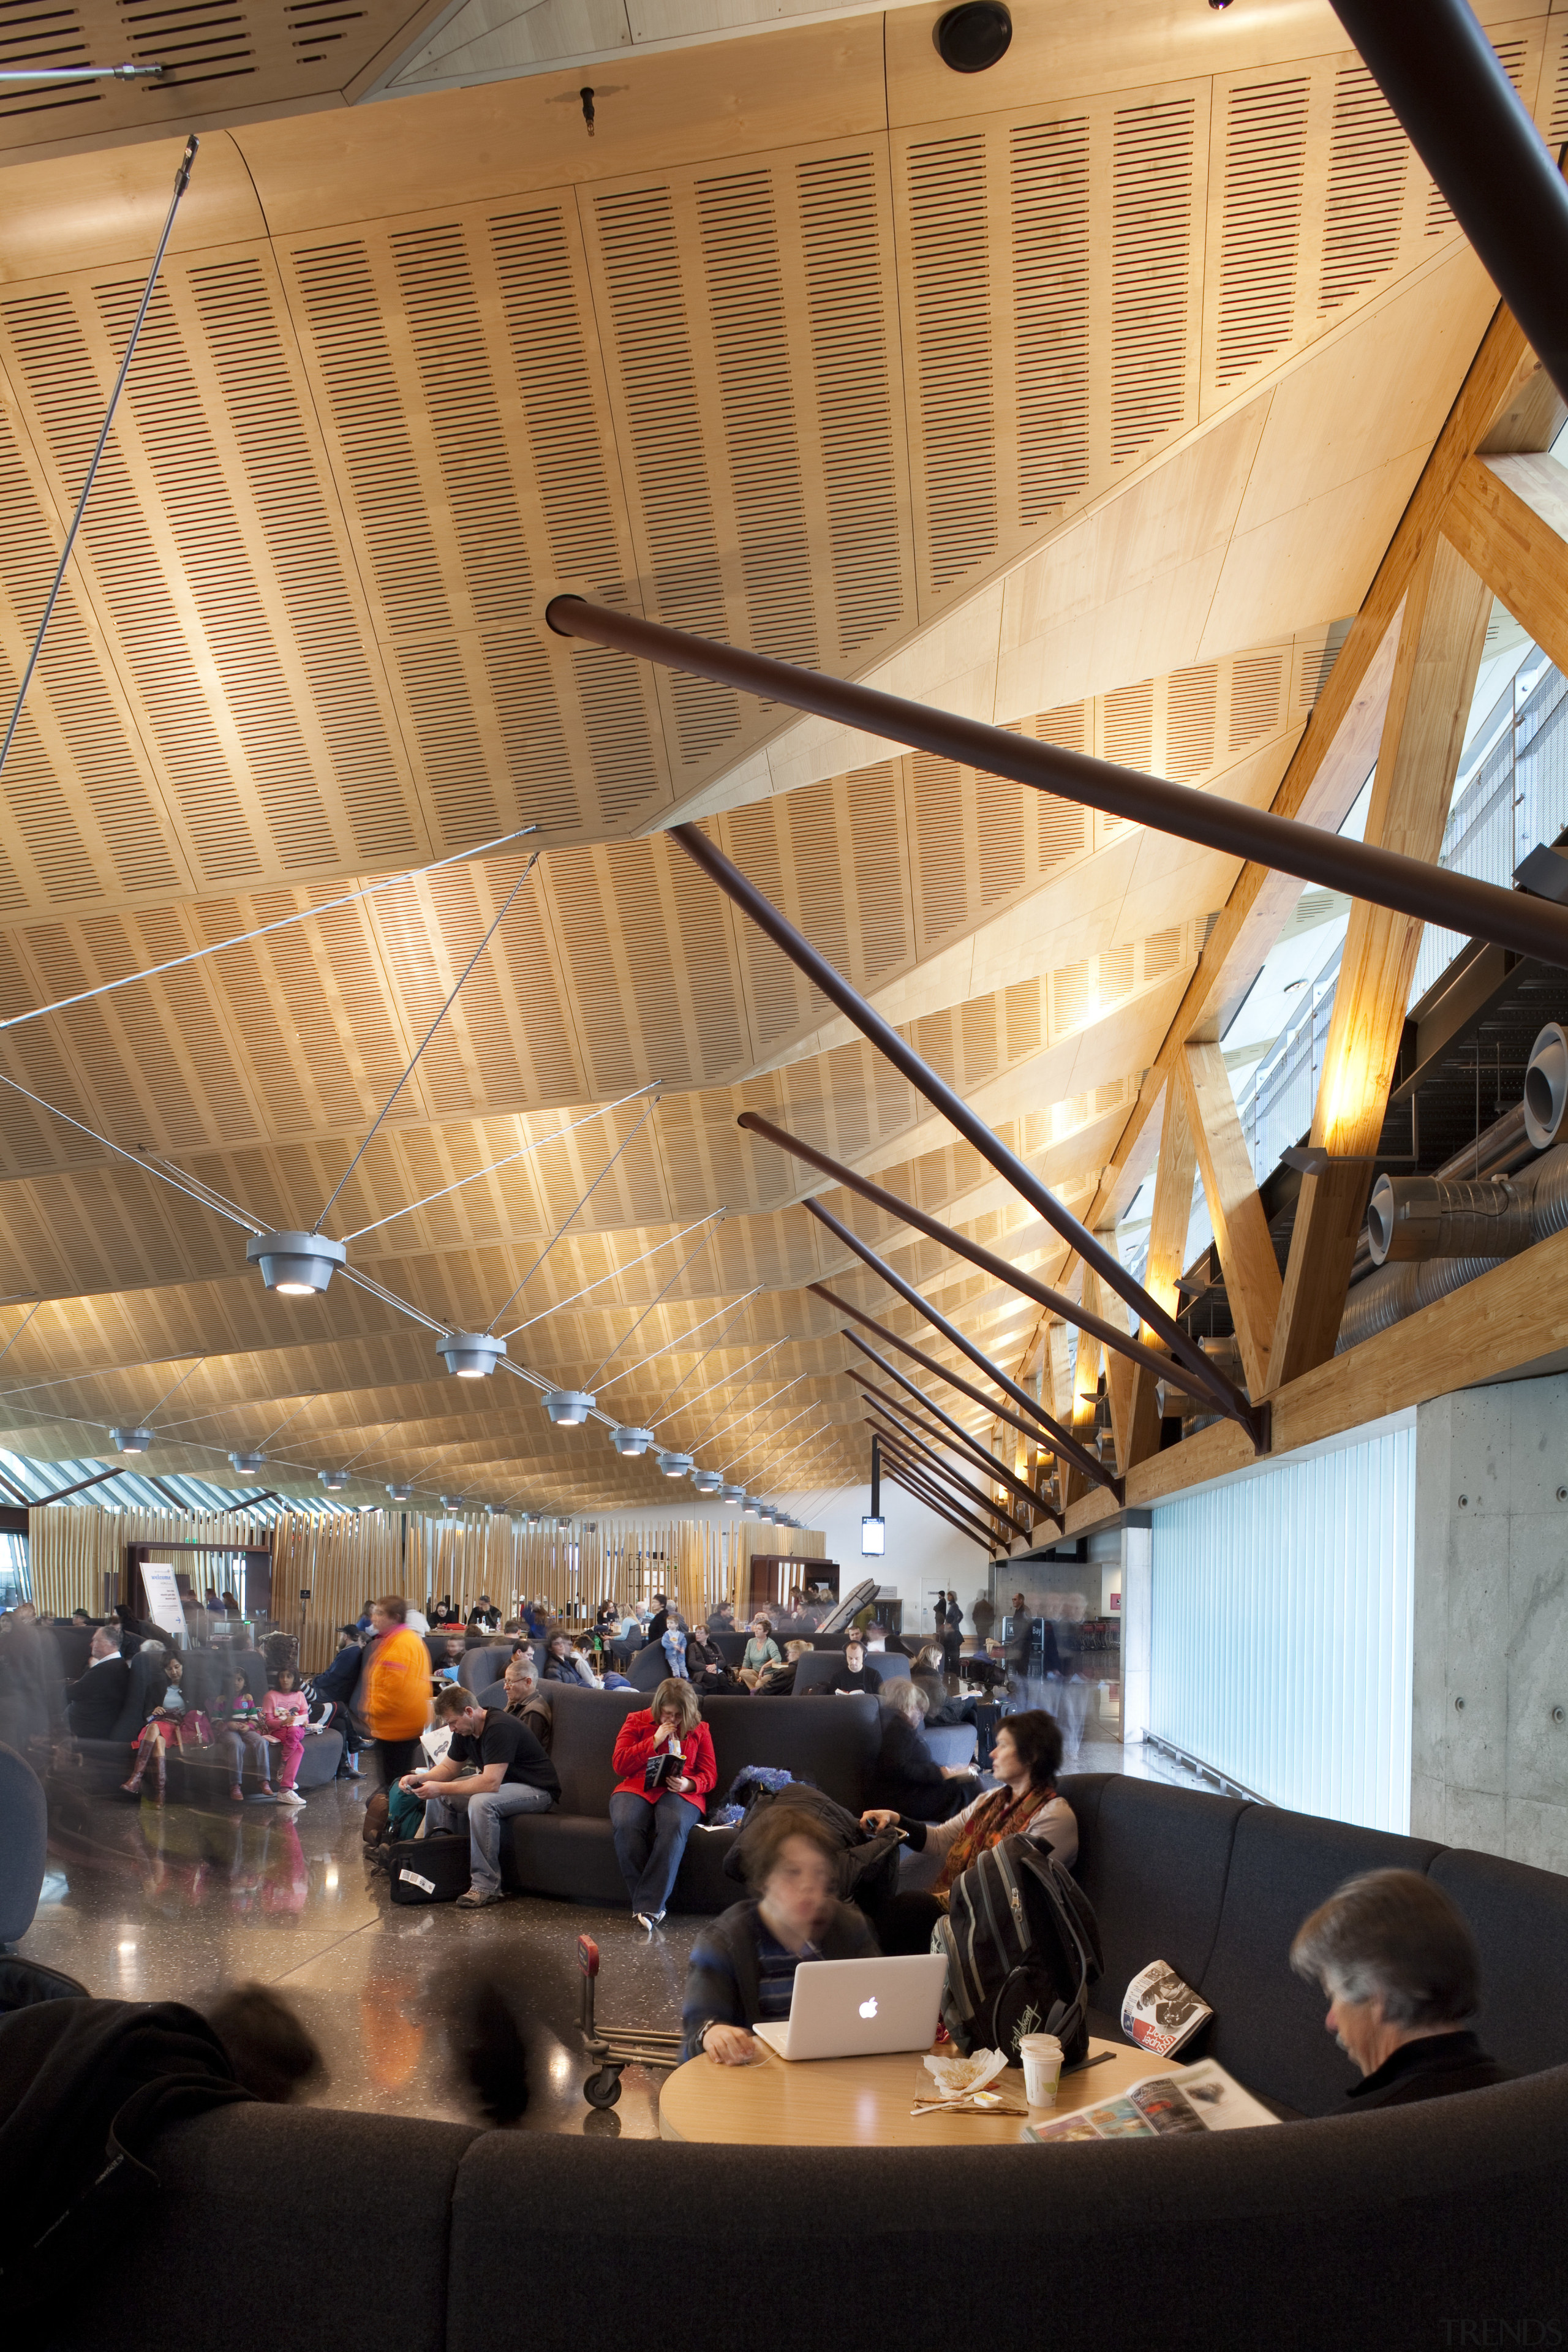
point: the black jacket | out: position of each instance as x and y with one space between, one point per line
907 1781
96 1700
864 1681
85 2087
1430 2069
723 1981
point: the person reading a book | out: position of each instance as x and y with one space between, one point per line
664 1754
1026 1759
742 1964
1402 1977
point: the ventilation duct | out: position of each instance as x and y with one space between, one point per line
1546 1086
1422 1217
1390 1293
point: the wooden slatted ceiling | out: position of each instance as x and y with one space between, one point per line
304 1033
350 463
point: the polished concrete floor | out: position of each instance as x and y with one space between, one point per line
147 1903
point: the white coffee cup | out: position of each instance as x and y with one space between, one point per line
1042 2057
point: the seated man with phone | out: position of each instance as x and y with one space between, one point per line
494 1766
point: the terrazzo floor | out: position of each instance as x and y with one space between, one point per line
149 1904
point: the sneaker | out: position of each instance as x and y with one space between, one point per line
477 1897
644 1920
291 1797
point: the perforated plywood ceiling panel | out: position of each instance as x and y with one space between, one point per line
812 357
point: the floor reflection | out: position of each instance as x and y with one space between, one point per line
156 1903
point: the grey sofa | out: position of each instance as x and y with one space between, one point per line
569 1851
1413 2230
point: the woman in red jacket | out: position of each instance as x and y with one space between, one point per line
665 1755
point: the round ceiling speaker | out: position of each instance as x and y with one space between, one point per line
973 36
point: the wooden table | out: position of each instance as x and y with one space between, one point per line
859 2101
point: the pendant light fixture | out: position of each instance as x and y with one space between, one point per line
568 1408
674 1466
295 1265
470 1355
628 1441
736 1497
249 1463
131 1441
334 1481
707 1482
401 1494
751 1508
451 1502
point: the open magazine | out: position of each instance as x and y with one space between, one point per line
1197 2098
1159 2012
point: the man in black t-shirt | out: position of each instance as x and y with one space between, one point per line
494 1766
854 1674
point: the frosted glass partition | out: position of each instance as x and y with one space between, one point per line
1279 1642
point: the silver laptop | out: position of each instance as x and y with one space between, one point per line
854 2008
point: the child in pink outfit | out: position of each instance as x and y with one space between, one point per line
284 1714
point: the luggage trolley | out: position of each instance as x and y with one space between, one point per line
617 2046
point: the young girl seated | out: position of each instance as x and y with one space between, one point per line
284 1714
243 1726
153 1738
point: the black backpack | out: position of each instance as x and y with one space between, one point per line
1022 1945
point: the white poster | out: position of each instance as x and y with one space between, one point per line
164 1605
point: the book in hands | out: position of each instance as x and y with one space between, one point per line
1195 2099
1159 2012
667 1763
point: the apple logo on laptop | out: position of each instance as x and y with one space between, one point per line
869 2008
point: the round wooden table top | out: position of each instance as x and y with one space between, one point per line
861 2102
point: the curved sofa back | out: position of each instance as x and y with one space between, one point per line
1217 1887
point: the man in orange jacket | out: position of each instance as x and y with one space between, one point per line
395 1688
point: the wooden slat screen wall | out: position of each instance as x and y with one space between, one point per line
73 1547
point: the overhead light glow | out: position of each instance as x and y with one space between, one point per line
451 1502
674 1466
401 1494
249 1463
707 1482
334 1481
470 1355
629 1441
295 1265
131 1441
736 1496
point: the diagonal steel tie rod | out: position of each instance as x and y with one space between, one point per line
896 1435
1061 1439
896 1477
1510 918
1225 1393
917 1356
957 1112
951 1433
925 1483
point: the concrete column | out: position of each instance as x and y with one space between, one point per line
1490 1714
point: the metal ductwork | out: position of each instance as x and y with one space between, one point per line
1390 1293
1422 1217
1546 1086
1430 1235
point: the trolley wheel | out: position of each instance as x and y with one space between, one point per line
603 2089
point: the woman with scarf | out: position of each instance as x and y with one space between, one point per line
1026 1759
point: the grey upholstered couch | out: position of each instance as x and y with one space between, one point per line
1413 2230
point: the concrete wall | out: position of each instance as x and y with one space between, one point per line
1491 1625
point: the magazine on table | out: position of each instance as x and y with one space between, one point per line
1159 2012
1195 2099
